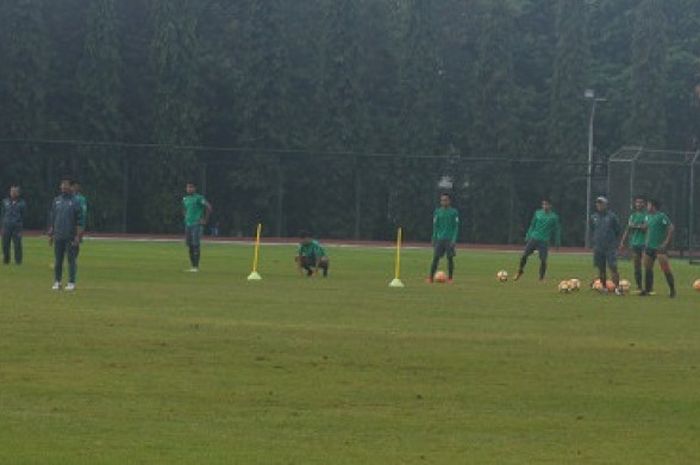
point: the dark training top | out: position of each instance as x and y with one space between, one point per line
13 212
606 230
66 215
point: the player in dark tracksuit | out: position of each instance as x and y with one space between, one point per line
65 231
606 231
445 233
13 209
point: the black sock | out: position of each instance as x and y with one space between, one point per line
523 262
543 269
649 280
671 281
433 267
192 256
309 270
196 254
324 267
450 267
638 277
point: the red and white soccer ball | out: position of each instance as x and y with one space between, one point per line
440 277
696 285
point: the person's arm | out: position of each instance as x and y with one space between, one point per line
669 235
49 229
557 233
531 229
625 234
434 238
455 234
207 212
79 221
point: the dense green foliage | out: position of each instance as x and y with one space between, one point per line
309 88
145 364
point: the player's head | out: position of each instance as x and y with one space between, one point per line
191 187
304 236
75 185
66 185
14 191
546 204
640 202
445 200
601 204
653 205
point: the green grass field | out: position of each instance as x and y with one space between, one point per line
146 364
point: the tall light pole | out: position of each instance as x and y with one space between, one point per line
590 95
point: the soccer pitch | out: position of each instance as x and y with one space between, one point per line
146 364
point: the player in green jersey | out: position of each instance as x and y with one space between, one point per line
196 212
659 234
637 236
311 256
544 228
82 201
445 232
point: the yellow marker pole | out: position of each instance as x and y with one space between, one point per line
396 282
254 275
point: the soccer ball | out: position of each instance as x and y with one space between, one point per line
502 276
575 284
440 277
696 285
564 287
597 285
625 286
610 286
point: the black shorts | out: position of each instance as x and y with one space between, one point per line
653 253
638 250
603 258
541 247
444 247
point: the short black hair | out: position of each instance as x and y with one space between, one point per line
67 178
304 233
547 199
191 183
446 194
656 203
74 182
640 197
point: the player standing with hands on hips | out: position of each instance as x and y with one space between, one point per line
196 211
65 232
605 228
445 232
13 209
659 234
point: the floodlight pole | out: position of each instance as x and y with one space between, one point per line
590 95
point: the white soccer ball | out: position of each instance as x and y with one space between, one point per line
575 284
502 276
564 287
625 286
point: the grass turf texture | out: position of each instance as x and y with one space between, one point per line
146 364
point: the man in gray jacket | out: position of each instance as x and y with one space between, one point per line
606 231
11 225
65 231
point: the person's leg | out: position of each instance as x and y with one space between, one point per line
612 264
59 250
72 262
530 248
638 253
189 239
666 268
438 252
451 253
6 235
324 264
196 246
308 264
18 246
543 251
649 259
600 265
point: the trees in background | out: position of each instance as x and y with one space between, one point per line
289 83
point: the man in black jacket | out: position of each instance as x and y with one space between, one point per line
13 209
65 231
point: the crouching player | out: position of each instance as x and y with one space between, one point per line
311 256
659 234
